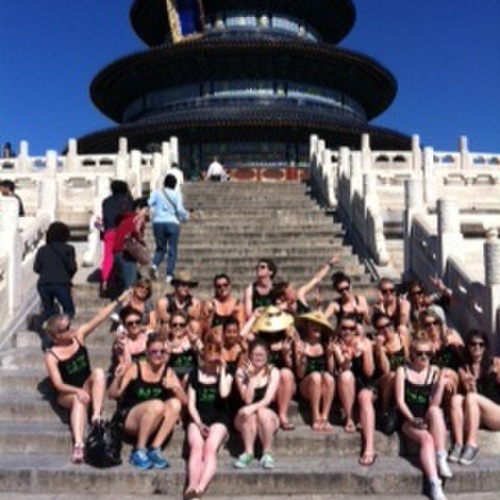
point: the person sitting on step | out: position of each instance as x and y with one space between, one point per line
150 398
314 366
419 394
78 387
209 387
479 401
258 294
258 383
356 382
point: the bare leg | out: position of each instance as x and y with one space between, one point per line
78 415
457 419
437 427
367 419
286 390
172 410
247 427
267 424
143 419
195 460
346 389
479 408
96 386
310 389
218 433
327 395
427 450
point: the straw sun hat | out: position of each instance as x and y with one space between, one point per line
272 320
184 278
316 317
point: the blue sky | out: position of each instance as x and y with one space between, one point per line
445 55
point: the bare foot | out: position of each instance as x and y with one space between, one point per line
350 426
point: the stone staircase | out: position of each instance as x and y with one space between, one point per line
231 227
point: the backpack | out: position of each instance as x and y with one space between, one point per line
103 446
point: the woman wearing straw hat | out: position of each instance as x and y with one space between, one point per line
314 363
274 327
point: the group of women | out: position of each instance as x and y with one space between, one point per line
218 369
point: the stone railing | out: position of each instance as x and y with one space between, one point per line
21 238
435 246
71 187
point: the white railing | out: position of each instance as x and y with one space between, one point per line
68 188
374 187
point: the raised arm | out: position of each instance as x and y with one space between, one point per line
316 279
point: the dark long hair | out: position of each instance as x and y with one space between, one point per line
486 359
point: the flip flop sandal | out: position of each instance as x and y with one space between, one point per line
287 426
367 459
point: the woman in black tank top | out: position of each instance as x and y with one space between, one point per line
419 394
257 383
479 400
314 367
77 386
150 398
209 387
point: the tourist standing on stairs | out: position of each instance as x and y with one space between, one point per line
55 263
168 214
115 205
68 366
216 172
258 294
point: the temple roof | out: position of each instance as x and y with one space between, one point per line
332 18
240 123
129 78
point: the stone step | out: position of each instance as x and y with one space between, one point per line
54 438
292 476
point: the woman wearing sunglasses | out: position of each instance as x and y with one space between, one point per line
150 398
355 365
208 389
396 307
130 339
419 394
141 301
68 366
183 345
479 403
391 350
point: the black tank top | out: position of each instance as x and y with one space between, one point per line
396 359
139 390
315 364
447 357
183 362
341 312
259 300
172 306
488 386
418 396
219 319
76 369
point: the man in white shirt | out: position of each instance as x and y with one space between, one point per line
216 172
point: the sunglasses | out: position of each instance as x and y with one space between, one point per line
261 266
343 289
423 354
348 328
383 327
157 352
429 323
65 329
221 285
178 325
136 322
476 344
387 291
417 292
143 287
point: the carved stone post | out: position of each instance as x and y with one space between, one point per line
23 159
174 150
429 178
366 153
49 188
313 147
11 243
491 250
123 146
464 153
416 154
134 171
413 205
72 160
450 239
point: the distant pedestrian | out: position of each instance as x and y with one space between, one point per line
168 214
216 172
113 207
7 188
55 263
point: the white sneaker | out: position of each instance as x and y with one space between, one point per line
436 491
169 279
444 468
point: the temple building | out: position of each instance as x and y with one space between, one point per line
247 80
